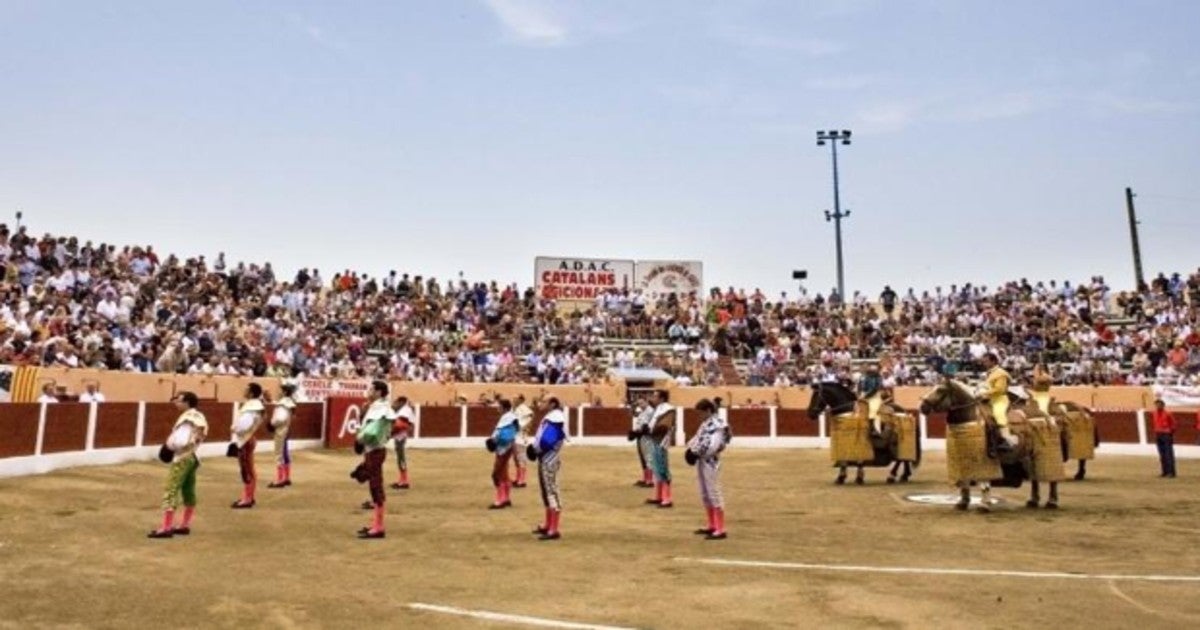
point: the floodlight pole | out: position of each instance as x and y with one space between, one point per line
834 137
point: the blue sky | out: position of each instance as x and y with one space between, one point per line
991 140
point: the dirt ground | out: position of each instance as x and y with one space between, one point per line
73 552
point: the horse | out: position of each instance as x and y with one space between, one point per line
975 451
851 440
902 433
1080 435
1042 436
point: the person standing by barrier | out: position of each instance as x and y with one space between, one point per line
525 424
662 426
180 452
546 447
280 426
244 429
371 443
1164 437
401 430
502 443
704 451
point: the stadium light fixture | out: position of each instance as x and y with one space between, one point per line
834 136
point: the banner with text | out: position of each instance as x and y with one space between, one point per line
319 389
580 279
660 278
1175 396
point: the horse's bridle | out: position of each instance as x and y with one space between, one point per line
972 402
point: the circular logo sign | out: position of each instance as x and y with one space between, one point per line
944 499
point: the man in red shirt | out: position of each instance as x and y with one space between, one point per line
1164 437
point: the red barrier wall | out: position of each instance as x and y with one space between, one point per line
307 420
607 421
1117 427
481 421
116 425
749 422
441 422
66 428
18 429
795 423
691 421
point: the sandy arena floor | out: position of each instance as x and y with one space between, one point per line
73 551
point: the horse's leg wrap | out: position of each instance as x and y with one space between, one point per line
985 496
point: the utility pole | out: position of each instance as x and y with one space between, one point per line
834 136
1138 277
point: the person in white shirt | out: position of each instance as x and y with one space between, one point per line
92 395
47 396
401 430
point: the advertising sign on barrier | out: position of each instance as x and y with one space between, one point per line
580 279
343 416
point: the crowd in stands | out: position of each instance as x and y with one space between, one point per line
77 304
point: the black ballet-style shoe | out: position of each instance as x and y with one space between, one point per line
370 535
703 532
714 536
182 531
549 536
161 534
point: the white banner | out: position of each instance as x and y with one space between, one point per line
580 279
1178 395
659 278
318 389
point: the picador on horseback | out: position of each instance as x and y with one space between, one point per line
872 431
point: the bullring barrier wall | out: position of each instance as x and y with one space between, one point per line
466 426
37 438
133 387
